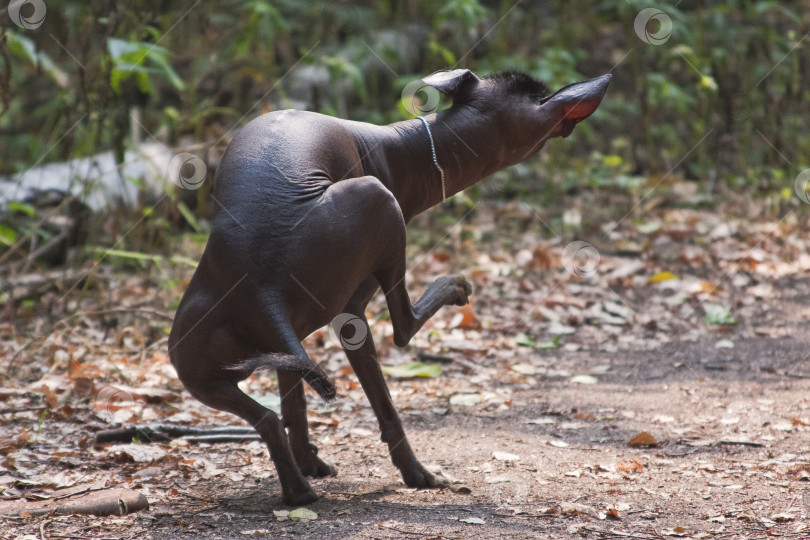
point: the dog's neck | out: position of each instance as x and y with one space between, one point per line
466 149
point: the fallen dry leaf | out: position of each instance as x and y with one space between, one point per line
584 379
465 318
582 510
630 466
505 456
642 439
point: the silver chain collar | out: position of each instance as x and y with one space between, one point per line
435 160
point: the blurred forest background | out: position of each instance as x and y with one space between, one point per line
713 93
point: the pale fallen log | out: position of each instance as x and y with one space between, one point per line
107 502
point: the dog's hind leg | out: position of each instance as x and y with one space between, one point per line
225 395
210 364
294 415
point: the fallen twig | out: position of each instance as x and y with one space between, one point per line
167 432
740 442
403 531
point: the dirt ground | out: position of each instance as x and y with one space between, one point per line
698 337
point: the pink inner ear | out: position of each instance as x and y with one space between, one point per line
580 111
580 100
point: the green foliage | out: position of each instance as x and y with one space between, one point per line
470 13
730 69
140 59
263 25
26 50
27 209
716 314
341 68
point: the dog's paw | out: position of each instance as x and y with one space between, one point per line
315 467
310 464
421 478
463 289
301 498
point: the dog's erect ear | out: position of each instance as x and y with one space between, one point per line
576 102
452 83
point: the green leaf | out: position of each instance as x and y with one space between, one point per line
716 314
340 68
302 514
27 209
190 217
7 235
468 12
414 369
25 48
447 56
124 254
178 259
131 58
165 69
139 256
552 344
524 340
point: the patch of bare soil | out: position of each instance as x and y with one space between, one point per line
653 385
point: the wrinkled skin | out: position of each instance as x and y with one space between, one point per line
312 222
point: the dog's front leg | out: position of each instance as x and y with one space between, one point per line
367 368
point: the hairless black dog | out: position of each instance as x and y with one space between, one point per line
312 223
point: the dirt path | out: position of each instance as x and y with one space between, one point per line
544 381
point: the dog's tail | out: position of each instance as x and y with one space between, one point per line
311 372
